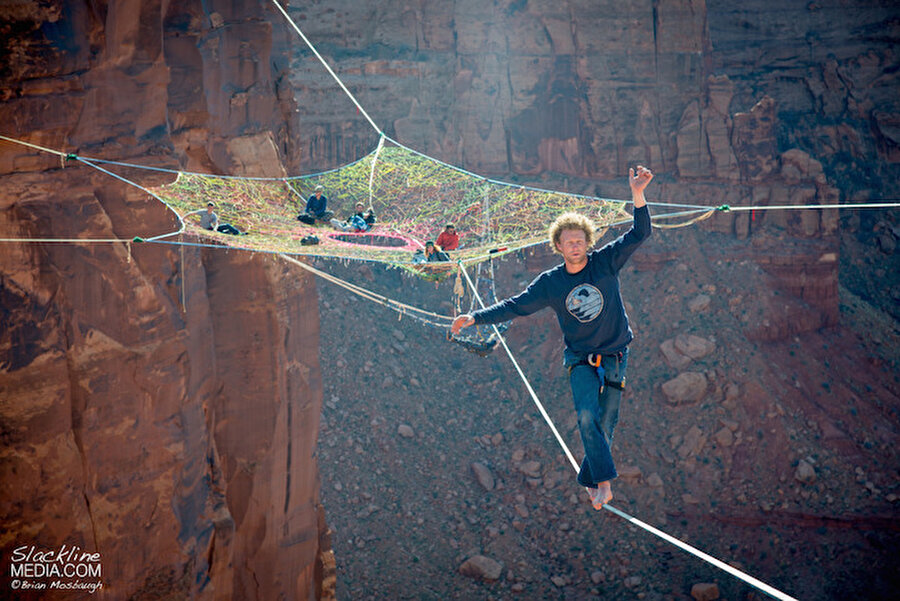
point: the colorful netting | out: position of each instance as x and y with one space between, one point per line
413 197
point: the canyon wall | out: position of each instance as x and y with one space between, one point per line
739 105
159 404
759 419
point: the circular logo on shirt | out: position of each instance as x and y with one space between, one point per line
584 302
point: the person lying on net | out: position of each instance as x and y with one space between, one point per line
210 221
584 293
360 221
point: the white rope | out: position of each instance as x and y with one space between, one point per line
68 240
668 538
35 146
403 308
372 170
143 189
328 67
515 363
862 205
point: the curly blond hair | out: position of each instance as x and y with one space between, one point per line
571 221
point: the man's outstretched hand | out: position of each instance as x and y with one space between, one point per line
639 180
462 321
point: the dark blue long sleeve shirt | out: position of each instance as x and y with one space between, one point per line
316 206
588 304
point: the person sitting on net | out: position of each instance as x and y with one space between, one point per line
316 208
360 221
449 239
434 253
210 221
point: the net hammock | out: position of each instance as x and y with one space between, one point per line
413 197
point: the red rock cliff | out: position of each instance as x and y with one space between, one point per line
159 405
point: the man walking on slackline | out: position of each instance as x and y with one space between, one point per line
584 293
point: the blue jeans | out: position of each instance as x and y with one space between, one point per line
598 412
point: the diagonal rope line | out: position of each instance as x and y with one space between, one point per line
59 153
515 363
762 586
422 315
143 189
403 308
328 67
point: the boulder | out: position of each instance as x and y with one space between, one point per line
672 356
705 591
724 437
693 443
805 472
687 387
630 473
483 475
532 469
481 567
694 347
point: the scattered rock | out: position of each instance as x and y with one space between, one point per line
597 577
724 437
405 431
730 424
689 499
630 473
483 475
693 443
367 511
532 469
673 358
805 473
479 566
559 581
654 480
705 591
732 394
699 303
687 387
694 347
632 581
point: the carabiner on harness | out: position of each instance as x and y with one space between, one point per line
595 360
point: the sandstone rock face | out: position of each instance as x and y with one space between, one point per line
729 103
159 405
734 105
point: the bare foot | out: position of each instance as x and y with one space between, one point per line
601 495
